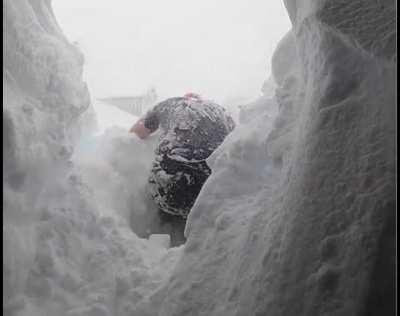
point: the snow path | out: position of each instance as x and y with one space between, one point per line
115 165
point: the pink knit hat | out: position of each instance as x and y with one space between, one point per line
191 95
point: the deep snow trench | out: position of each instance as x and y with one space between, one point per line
115 164
297 217
73 191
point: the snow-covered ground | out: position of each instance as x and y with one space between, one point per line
297 217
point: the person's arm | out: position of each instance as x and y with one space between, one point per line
146 125
140 130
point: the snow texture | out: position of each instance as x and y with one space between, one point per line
68 248
297 217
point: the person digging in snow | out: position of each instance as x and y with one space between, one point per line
191 129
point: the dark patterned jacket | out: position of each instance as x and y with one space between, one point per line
190 129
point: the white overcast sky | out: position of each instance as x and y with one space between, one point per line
219 48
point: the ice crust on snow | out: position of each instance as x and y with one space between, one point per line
297 217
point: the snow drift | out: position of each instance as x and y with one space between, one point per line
66 252
296 219
298 216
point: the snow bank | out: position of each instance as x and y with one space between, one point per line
43 93
298 215
66 251
296 219
116 165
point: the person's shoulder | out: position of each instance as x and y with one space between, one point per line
215 106
223 113
170 102
211 104
174 99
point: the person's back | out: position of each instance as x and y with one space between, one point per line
191 129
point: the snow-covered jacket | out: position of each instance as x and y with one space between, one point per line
191 129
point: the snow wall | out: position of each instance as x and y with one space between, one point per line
298 217
68 248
